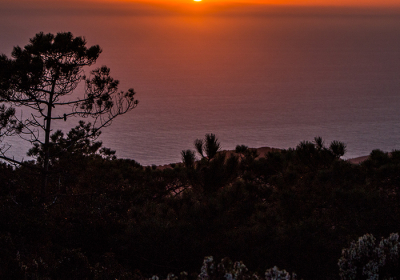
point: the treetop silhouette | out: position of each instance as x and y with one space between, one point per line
42 76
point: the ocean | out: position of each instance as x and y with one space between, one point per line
255 76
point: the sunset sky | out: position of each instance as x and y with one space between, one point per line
266 2
383 3
289 2
191 7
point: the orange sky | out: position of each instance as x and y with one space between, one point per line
205 7
384 3
346 3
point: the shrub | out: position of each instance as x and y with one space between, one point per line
365 259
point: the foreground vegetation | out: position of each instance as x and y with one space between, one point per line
78 212
109 218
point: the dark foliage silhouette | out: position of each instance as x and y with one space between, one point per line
295 209
41 78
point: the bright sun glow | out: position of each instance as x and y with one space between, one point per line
197 0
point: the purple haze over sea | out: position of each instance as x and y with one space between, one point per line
259 77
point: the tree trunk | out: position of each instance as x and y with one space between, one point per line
47 142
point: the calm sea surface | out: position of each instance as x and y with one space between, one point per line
254 77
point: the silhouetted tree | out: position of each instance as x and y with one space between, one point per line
338 148
8 124
319 143
188 158
247 155
80 141
41 78
207 147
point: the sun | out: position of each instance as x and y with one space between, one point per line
197 0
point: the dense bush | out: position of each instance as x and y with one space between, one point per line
365 259
294 208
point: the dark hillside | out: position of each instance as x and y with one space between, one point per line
107 218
